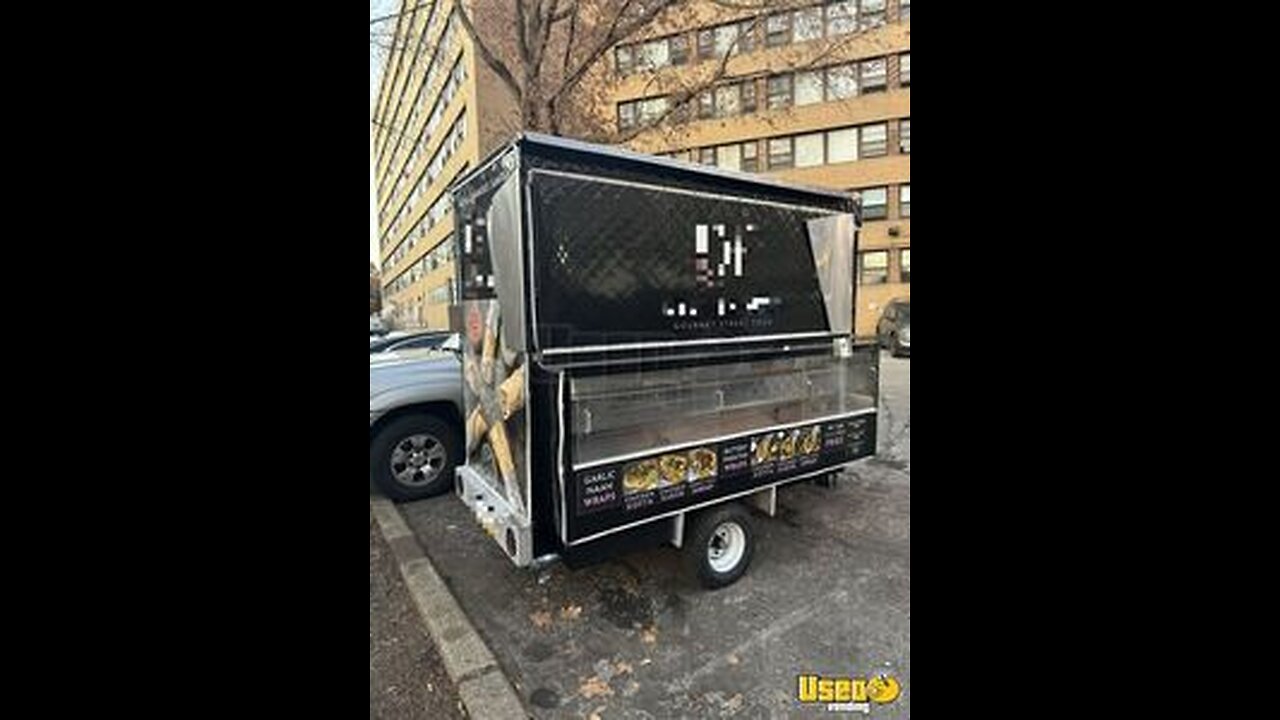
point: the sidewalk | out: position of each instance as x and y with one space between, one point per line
407 678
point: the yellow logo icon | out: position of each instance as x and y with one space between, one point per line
883 689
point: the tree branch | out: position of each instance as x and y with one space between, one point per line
573 31
617 32
496 65
522 37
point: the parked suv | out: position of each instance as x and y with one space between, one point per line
415 420
894 329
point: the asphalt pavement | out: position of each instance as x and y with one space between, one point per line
828 592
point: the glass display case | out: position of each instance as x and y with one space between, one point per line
622 414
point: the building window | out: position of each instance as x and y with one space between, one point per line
904 69
729 157
706 44
904 264
904 136
904 9
728 100
749 96
624 59
873 76
842 17
875 141
808 24
726 40
750 159
875 203
707 156
779 91
904 201
777 30
626 115
706 104
808 88
874 268
842 145
681 112
842 81
809 150
780 153
651 110
873 13
747 36
679 49
654 55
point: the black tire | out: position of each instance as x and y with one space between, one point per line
698 549
394 436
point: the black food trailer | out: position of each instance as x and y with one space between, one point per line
650 349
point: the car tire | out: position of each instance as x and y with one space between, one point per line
719 546
413 457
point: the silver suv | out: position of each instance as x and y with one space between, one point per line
415 420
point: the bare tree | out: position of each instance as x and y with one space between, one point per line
553 56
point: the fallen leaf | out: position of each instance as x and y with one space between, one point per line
571 612
594 686
649 636
622 668
542 618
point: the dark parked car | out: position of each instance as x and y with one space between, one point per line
408 341
894 329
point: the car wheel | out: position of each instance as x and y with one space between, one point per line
720 545
413 457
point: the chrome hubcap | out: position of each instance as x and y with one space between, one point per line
417 459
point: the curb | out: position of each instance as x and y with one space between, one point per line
484 689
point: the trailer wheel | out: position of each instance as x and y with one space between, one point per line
720 546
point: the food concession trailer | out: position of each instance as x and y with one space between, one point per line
650 349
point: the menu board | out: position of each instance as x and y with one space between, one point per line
605 496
